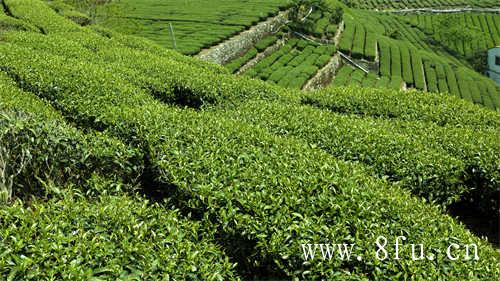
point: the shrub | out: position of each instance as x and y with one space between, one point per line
410 106
396 82
370 46
430 74
266 42
346 41
322 61
358 46
39 147
109 237
395 61
236 64
406 64
40 15
385 59
418 69
215 180
343 76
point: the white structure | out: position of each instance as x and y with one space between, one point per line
494 64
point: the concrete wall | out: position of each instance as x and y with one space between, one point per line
236 46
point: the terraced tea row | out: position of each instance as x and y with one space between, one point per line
400 60
195 24
179 153
466 34
293 64
245 180
388 4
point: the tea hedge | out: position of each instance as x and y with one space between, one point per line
204 25
299 58
168 77
266 42
109 237
431 76
391 5
10 23
409 105
271 214
427 159
236 64
38 146
40 15
69 12
152 75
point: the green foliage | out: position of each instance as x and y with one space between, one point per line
336 15
385 58
409 106
109 237
39 147
9 23
298 60
40 15
70 12
196 25
321 175
386 4
266 42
347 39
236 64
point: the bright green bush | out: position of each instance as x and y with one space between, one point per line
370 46
383 82
406 64
232 199
38 147
346 42
396 82
322 60
409 106
396 67
418 69
69 12
236 64
343 76
266 42
40 15
358 45
464 85
385 58
452 81
109 237
430 74
9 23
206 160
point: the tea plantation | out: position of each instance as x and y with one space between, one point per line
121 159
409 4
195 24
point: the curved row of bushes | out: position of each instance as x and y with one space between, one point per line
209 164
109 237
410 106
39 147
262 189
433 172
441 164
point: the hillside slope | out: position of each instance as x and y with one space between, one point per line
241 172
